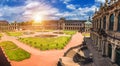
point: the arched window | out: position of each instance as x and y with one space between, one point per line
118 23
111 22
104 22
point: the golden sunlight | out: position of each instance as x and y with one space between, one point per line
37 18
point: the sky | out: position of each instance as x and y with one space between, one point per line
24 10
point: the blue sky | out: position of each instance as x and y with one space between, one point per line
23 10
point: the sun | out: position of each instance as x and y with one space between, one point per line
37 18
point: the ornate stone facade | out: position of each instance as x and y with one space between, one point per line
106 30
74 25
63 24
88 25
5 26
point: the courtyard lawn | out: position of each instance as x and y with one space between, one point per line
14 33
86 34
68 32
0 35
46 43
13 52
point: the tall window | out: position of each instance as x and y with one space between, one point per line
111 22
104 23
118 23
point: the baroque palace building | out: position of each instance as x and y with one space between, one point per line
106 30
61 24
5 26
64 24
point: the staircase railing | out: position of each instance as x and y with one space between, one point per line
71 49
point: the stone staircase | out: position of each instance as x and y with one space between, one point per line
75 56
68 59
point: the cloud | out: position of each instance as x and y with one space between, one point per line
11 13
53 1
66 1
71 6
79 14
101 1
45 9
23 13
40 8
0 14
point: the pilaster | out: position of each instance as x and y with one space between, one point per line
102 48
113 53
99 44
115 22
106 49
107 22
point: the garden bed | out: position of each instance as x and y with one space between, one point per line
28 33
46 35
14 33
13 52
0 35
68 32
46 43
58 32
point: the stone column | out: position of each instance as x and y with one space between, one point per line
113 53
115 22
101 22
107 22
99 42
96 40
103 48
106 48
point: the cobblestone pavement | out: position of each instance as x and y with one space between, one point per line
97 57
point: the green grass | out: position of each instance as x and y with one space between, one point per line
1 35
14 33
68 32
13 52
86 34
46 43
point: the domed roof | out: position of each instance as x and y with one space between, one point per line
88 22
62 18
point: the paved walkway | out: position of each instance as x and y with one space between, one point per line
98 59
42 58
